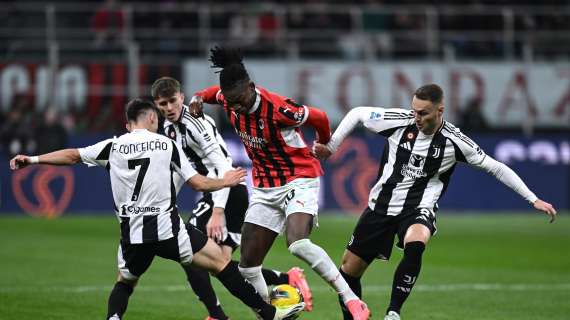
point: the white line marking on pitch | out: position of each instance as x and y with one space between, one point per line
317 288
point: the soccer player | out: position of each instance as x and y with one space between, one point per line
141 164
218 214
415 169
285 174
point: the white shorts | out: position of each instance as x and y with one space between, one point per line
269 207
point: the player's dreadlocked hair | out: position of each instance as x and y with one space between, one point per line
231 63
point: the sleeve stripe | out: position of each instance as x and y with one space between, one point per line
196 123
460 136
104 154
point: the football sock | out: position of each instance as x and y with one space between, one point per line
119 299
255 277
274 277
322 264
406 274
199 280
231 278
356 286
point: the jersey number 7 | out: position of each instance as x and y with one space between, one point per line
144 163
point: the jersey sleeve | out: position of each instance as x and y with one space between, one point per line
202 134
180 164
381 120
466 149
378 120
211 95
97 154
291 114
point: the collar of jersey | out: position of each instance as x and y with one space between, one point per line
257 102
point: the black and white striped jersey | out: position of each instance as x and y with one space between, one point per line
204 146
415 168
142 166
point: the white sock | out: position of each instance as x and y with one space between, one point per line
255 277
322 264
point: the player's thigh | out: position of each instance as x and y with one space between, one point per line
256 241
298 226
420 225
211 257
373 236
352 264
133 260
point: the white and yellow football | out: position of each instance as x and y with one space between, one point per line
285 295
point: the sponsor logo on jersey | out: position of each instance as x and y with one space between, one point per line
251 141
414 168
134 210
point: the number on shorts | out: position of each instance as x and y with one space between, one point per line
202 208
289 196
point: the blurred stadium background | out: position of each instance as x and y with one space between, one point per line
67 68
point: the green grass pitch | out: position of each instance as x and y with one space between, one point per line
492 266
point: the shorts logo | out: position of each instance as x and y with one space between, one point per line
301 203
351 240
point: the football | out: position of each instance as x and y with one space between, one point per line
285 295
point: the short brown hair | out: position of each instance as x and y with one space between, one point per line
137 107
164 87
430 92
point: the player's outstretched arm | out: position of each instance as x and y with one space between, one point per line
230 179
59 158
512 180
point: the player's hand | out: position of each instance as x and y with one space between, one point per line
196 106
234 177
320 151
19 162
546 208
216 226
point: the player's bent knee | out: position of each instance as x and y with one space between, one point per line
417 232
301 248
353 265
127 278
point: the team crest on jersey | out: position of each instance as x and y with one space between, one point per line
436 151
261 124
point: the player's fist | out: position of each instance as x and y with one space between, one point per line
546 208
20 161
196 106
320 151
234 177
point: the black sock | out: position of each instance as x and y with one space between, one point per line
406 274
354 284
232 279
274 277
119 299
199 280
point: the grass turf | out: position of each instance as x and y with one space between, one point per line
491 266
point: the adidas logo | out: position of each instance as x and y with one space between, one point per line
406 145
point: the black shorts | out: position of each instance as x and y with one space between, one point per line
373 236
236 207
134 259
